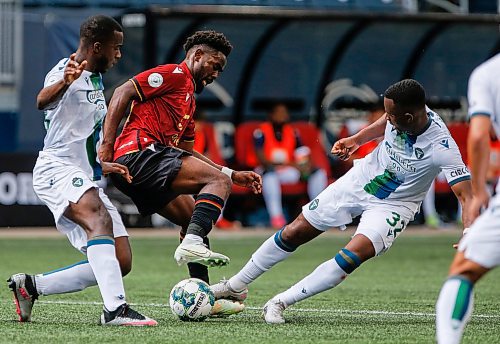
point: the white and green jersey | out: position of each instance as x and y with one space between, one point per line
74 122
403 166
484 93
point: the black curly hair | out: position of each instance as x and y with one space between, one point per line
408 95
98 28
214 40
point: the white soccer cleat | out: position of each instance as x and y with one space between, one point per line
199 253
223 290
125 316
23 288
273 312
224 308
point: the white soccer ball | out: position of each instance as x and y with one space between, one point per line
191 300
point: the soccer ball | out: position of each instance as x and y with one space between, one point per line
191 300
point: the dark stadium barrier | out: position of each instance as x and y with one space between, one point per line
19 205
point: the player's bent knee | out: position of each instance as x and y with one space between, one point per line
347 260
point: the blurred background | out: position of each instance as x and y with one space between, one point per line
327 61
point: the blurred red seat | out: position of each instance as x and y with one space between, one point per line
309 135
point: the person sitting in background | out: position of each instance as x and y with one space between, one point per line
283 160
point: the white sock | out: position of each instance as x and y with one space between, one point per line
453 309
326 276
192 239
271 191
70 279
266 256
102 259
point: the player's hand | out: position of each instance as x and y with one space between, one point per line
105 152
73 69
248 179
455 246
344 148
113 167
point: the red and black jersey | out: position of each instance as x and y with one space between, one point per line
164 112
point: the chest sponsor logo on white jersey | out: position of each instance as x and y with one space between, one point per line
405 164
95 96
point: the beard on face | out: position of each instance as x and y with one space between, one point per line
102 64
199 86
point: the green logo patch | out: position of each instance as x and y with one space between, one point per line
77 182
314 204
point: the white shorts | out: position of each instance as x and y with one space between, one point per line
57 184
482 241
381 220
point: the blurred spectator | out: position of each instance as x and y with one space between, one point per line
283 159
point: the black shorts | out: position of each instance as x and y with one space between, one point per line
152 174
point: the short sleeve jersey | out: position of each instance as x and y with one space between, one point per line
74 122
484 92
403 166
164 112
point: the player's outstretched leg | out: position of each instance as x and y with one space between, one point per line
192 249
326 276
274 250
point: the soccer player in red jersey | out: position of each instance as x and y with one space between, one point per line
156 145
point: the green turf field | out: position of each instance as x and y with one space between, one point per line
388 300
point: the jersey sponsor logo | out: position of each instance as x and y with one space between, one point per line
314 204
177 70
77 182
155 80
419 153
444 143
399 164
95 97
459 172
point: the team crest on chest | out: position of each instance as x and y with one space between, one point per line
419 153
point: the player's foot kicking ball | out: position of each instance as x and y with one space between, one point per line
222 290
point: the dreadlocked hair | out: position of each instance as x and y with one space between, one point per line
214 40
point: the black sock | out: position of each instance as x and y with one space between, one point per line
206 211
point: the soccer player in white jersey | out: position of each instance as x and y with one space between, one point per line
478 251
64 179
386 188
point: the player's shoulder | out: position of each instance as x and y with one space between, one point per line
437 130
487 69
56 73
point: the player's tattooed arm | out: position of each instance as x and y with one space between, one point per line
117 108
51 94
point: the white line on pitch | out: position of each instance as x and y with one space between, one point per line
294 309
